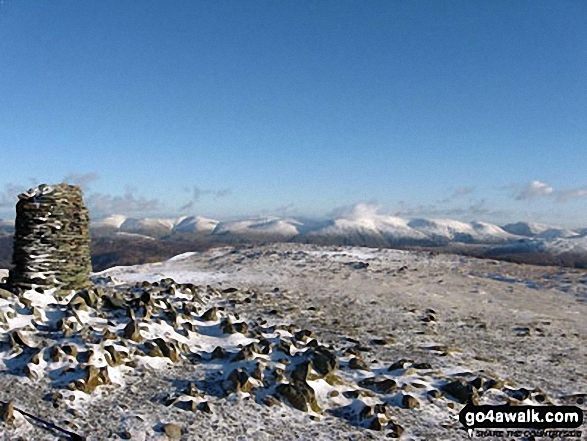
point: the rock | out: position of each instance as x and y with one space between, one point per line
257 372
494 384
395 431
477 383
61 259
264 346
241 327
114 302
89 296
284 346
113 357
172 431
78 303
55 353
192 390
227 327
409 402
301 371
153 350
131 331
36 358
17 339
218 352
204 407
303 335
28 303
434 393
519 394
168 349
358 265
300 395
245 353
5 294
238 381
379 384
462 391
7 412
210 315
375 424
382 341
351 394
324 362
94 377
37 313
69 349
146 298
357 363
107 334
30 373
366 411
422 366
270 400
400 364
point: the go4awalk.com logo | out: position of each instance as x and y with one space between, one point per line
522 421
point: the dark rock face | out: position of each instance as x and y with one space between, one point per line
51 239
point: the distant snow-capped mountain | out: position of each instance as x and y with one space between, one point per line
532 229
368 227
112 222
270 226
373 230
195 224
362 226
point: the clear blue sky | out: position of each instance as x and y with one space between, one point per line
470 110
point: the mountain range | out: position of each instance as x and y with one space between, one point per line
360 227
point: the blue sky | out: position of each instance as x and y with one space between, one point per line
459 109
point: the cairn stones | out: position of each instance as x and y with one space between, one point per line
51 239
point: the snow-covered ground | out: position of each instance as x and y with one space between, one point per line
398 323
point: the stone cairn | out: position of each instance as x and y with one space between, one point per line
51 239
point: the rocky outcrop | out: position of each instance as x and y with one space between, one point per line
51 239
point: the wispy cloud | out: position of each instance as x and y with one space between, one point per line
198 193
536 189
462 191
9 195
456 194
286 210
474 209
128 202
574 193
81 179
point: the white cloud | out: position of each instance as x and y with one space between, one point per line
356 211
574 193
534 190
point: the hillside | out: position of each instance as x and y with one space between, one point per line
291 341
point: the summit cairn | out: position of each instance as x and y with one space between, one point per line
51 239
